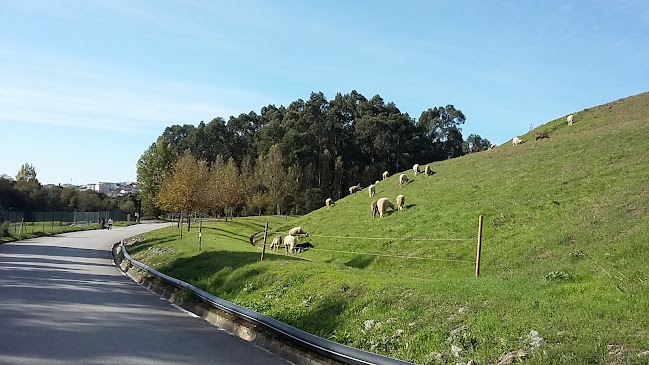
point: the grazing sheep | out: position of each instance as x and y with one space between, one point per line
491 147
354 189
401 200
277 241
415 168
301 247
541 135
298 230
428 171
570 119
374 208
372 190
329 202
385 175
516 141
383 204
403 180
376 182
289 243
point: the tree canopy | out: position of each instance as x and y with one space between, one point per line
297 156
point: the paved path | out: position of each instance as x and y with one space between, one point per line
62 302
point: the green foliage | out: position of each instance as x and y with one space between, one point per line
152 168
27 172
563 253
317 148
30 196
4 229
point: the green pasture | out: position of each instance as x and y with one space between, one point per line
564 254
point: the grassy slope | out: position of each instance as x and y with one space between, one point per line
564 253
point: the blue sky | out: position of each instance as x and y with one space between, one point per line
87 86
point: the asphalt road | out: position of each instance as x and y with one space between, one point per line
63 302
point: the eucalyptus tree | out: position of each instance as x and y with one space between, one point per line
441 126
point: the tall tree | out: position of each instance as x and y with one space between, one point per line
439 125
475 143
227 186
153 166
27 172
275 175
185 189
27 184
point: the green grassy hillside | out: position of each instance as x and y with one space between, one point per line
565 252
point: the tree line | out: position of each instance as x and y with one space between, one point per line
26 194
290 159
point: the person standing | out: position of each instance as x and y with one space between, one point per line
110 223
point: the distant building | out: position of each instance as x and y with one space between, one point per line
105 187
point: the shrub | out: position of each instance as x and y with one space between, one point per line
4 229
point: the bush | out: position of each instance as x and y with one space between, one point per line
4 229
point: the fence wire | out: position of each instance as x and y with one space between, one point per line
257 240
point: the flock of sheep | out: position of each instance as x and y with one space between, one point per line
290 241
539 135
379 206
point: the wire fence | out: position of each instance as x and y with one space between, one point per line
257 240
16 223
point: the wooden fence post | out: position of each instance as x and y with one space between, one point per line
263 248
479 249
200 234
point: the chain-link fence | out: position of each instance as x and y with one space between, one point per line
16 223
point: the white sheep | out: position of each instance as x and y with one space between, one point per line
376 182
403 179
298 230
428 171
492 147
415 168
289 243
570 119
329 202
516 141
277 241
401 200
385 175
382 205
372 190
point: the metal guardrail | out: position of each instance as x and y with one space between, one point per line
330 349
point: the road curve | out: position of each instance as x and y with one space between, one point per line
62 301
